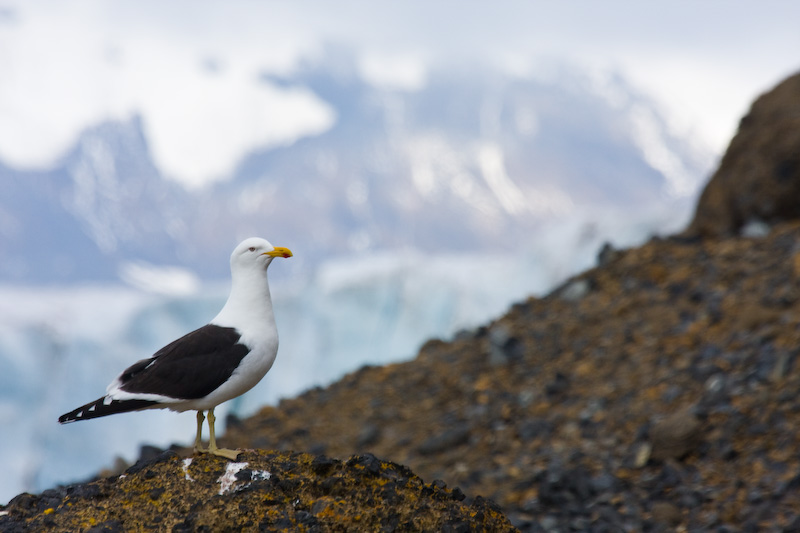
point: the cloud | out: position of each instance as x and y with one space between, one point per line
77 68
402 72
200 125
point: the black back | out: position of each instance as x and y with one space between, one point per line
190 367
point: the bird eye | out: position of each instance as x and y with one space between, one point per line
252 248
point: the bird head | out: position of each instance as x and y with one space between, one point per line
256 252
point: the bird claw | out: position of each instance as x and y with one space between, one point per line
226 453
221 452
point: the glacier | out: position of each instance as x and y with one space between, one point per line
60 347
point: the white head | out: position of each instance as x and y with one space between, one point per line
249 308
255 254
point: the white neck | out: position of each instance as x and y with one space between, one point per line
249 304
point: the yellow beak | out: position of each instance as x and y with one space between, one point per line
279 251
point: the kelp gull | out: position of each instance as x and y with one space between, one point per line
210 365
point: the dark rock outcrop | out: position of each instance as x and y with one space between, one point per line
263 492
758 180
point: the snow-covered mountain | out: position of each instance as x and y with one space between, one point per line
470 160
417 213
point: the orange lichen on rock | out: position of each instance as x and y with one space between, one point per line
269 491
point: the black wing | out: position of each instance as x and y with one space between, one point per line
190 367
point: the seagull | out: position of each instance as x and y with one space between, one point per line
212 364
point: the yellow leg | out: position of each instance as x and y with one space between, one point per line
198 441
212 440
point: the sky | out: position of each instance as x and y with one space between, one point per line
192 70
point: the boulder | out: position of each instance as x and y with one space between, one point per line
758 180
263 491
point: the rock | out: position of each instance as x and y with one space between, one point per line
666 514
607 254
503 346
794 526
755 229
642 454
575 289
675 436
758 180
369 435
558 386
265 491
446 440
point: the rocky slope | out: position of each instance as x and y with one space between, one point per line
264 491
657 390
